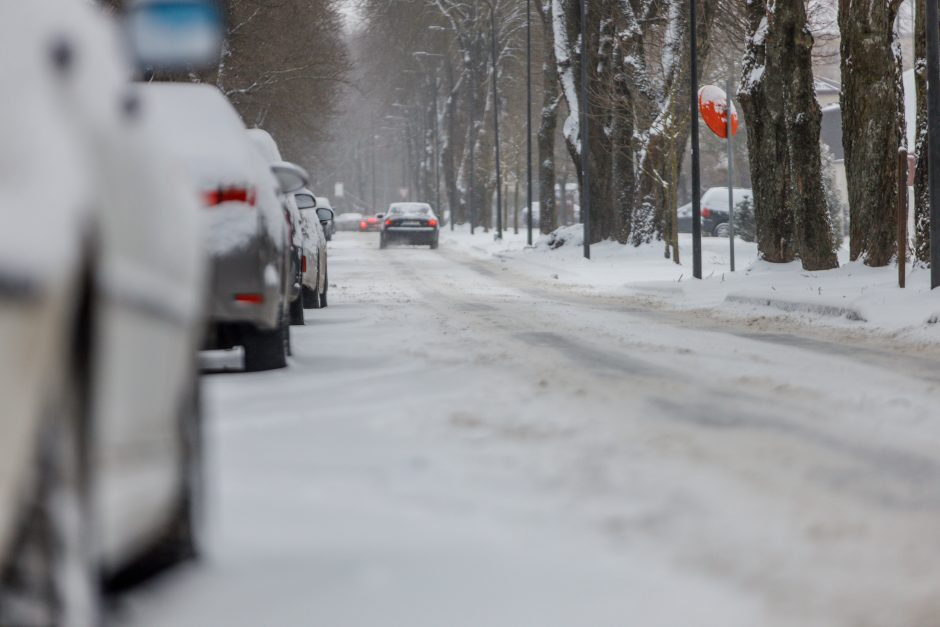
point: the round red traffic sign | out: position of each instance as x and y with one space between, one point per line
713 107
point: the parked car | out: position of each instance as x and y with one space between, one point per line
101 282
248 230
371 223
301 244
316 274
411 223
715 209
348 221
329 229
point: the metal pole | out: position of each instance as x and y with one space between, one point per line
585 149
437 159
933 139
473 135
902 216
696 168
728 104
373 163
528 117
499 182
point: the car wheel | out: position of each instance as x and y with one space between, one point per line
722 230
383 243
50 578
434 244
266 350
326 288
297 311
311 298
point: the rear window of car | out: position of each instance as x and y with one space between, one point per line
409 209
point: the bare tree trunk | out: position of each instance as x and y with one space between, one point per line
548 123
778 97
921 179
873 123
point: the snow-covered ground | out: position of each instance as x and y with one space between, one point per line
852 297
459 444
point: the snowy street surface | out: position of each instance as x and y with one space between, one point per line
457 445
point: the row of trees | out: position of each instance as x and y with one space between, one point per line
638 102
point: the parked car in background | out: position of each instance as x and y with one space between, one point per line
247 229
410 223
329 228
348 221
371 223
715 213
316 274
301 244
101 305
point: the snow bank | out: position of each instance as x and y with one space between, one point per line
853 295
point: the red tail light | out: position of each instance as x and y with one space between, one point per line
373 220
249 299
303 263
362 224
432 222
218 196
706 212
388 223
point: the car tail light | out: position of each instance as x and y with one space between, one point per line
388 223
249 299
432 222
218 196
706 212
362 224
373 220
303 263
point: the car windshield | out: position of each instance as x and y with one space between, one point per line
410 209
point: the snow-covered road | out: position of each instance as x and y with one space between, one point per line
453 446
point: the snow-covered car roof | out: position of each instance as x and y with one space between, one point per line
201 128
323 201
265 144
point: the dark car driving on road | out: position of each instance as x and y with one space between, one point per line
410 223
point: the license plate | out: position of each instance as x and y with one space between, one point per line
410 223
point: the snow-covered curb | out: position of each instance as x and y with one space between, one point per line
852 296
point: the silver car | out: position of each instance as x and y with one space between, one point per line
317 219
247 227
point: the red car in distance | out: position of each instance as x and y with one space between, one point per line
371 223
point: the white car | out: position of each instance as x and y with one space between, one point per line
316 218
101 282
329 228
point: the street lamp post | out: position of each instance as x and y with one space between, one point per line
585 149
499 182
933 138
696 168
528 118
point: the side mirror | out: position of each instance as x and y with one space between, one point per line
379 216
290 177
175 35
305 201
325 215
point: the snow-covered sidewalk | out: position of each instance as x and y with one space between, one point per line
853 296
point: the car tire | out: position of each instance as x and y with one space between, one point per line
51 577
266 350
383 243
722 230
311 298
434 244
326 288
297 311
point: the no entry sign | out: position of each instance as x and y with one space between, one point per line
713 107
